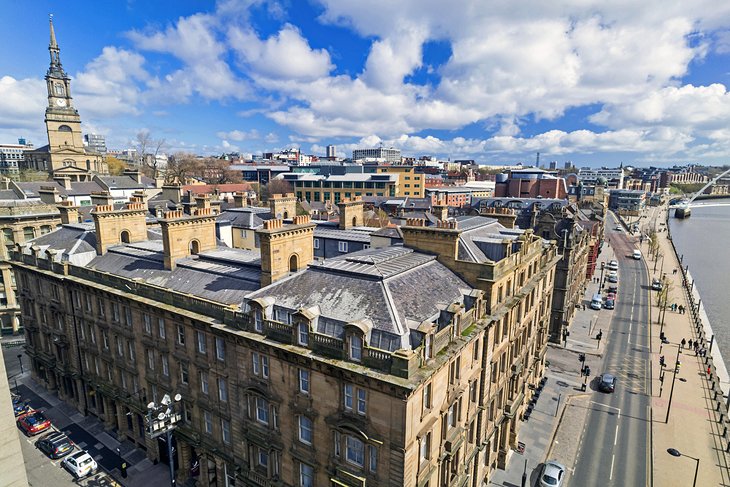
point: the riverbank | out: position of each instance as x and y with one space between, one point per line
689 412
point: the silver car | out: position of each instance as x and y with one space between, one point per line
553 474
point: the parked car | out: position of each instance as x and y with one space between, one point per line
597 301
613 276
606 383
637 255
19 406
80 464
33 422
656 284
612 265
609 304
55 445
613 289
552 474
618 228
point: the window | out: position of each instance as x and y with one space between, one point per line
355 348
130 346
262 410
151 359
355 451
128 315
348 396
427 396
262 458
161 327
342 247
147 323
208 419
120 347
183 372
105 338
260 365
306 475
454 370
204 382
425 447
451 415
361 402
373 458
222 389
315 243
115 311
220 349
305 430
303 335
304 381
337 444
258 321
180 335
225 431
201 342
165 366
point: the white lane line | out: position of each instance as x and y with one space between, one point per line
613 457
615 437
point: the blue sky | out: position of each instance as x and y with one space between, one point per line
595 83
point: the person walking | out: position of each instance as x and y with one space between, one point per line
689 344
683 343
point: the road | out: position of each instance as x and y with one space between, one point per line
615 445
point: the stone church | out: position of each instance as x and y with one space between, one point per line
65 154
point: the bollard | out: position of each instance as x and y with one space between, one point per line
718 406
724 432
721 418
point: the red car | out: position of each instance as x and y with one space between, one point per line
33 422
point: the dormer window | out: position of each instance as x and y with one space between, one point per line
303 334
355 348
258 321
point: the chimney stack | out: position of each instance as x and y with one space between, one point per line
441 210
283 206
64 181
69 212
49 195
240 200
285 248
351 213
134 174
172 192
114 227
101 198
184 235
202 201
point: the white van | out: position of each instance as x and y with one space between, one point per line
637 254
597 301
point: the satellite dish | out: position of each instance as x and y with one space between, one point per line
178 397
161 416
151 405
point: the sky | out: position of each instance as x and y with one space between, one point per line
595 83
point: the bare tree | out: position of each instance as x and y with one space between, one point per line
148 149
275 186
181 166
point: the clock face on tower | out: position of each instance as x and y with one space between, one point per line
61 102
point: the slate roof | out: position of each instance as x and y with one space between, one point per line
395 288
327 232
222 275
481 238
31 189
124 182
250 217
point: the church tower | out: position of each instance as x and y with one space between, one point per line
65 154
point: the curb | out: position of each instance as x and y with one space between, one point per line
560 421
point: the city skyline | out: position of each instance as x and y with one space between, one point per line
254 76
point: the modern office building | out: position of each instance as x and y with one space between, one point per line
331 152
627 200
405 366
380 154
95 143
610 177
316 187
12 157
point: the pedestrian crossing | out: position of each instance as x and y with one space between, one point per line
632 374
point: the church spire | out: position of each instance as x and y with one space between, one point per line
55 69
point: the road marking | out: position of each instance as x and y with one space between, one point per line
615 437
613 457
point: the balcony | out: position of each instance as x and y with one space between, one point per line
511 407
330 346
378 359
281 332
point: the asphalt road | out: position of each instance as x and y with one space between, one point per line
615 445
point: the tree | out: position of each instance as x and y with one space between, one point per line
275 186
181 166
148 149
376 218
116 166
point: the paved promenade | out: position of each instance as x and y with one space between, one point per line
696 410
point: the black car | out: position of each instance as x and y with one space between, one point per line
606 383
613 289
55 445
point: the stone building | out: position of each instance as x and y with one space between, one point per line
65 154
394 366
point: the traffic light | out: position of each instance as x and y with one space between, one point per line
581 357
587 371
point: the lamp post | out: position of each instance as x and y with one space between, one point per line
162 420
20 359
676 453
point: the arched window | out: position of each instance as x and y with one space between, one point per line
354 221
194 247
64 128
28 233
124 237
46 229
293 263
286 214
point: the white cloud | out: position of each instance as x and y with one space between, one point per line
286 55
22 102
239 135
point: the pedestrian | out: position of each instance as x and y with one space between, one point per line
584 306
709 370
696 346
683 342
689 344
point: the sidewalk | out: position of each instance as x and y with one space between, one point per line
102 445
556 423
697 425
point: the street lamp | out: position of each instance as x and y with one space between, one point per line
20 359
162 420
671 391
676 453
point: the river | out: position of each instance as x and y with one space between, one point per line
704 241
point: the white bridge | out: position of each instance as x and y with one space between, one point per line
682 209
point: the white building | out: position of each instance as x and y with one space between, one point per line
613 176
381 153
11 155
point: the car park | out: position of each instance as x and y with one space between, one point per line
606 383
552 475
656 284
612 265
33 422
80 464
55 445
